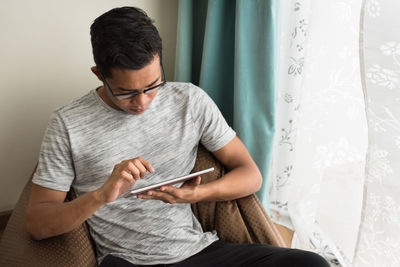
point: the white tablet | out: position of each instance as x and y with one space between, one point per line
168 182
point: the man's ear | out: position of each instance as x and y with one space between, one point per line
96 72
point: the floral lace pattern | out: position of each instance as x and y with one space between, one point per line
379 237
293 48
321 138
340 205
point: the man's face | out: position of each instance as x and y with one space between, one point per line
139 80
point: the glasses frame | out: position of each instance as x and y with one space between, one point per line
135 92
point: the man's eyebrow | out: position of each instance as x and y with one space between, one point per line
139 89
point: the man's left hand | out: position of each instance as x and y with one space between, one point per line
187 193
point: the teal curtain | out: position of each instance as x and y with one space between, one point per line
227 48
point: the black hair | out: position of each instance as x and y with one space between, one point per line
124 38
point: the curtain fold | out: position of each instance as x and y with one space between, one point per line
254 103
227 48
218 58
317 170
379 235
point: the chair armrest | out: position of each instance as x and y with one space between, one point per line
242 220
17 248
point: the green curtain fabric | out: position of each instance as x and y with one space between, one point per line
227 48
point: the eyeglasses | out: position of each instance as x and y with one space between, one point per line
134 92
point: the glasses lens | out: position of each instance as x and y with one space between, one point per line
154 89
146 92
151 91
124 97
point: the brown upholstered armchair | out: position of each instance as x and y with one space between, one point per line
242 220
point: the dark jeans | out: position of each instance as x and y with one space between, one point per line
229 254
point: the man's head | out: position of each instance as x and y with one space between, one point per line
127 50
124 38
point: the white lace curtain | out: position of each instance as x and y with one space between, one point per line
379 237
319 168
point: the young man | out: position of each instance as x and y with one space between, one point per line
137 129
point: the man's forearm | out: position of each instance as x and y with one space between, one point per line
243 178
50 219
239 182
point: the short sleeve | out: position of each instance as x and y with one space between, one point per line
55 168
214 131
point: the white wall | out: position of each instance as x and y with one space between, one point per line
45 60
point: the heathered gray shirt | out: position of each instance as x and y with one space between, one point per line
85 139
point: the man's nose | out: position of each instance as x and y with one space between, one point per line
139 99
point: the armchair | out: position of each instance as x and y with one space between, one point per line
241 221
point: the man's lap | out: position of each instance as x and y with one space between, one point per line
221 254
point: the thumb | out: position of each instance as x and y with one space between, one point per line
193 182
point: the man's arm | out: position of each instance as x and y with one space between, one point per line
48 215
243 179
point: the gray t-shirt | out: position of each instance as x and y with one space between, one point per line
85 139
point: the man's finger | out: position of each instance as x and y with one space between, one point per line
132 169
193 182
158 195
146 164
169 189
197 180
128 177
137 168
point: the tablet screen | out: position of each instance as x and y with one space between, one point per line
167 182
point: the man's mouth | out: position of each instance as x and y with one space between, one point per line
138 110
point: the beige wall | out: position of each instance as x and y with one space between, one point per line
45 61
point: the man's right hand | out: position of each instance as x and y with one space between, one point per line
48 215
122 178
